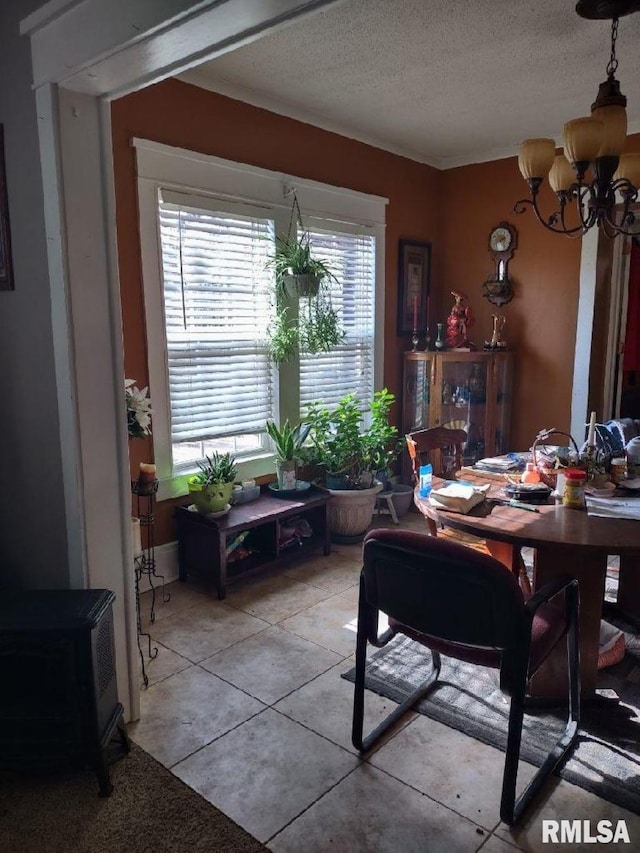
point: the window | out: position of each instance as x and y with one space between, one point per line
350 366
216 308
208 304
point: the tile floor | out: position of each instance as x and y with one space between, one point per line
246 705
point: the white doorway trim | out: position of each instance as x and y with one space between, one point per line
584 334
85 53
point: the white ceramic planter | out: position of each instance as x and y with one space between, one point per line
351 511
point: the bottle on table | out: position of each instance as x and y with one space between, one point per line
574 496
530 474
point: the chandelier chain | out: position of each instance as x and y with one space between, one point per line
612 65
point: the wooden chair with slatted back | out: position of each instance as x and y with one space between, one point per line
429 445
441 447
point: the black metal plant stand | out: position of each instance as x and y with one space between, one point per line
145 563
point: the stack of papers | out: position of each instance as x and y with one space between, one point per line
499 464
457 497
614 507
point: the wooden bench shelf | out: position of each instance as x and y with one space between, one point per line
202 541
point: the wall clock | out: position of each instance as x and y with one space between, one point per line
502 244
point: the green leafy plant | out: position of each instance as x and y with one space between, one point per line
218 468
288 440
380 441
316 326
293 256
284 336
319 326
341 444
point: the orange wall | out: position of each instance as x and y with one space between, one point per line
185 116
541 318
455 210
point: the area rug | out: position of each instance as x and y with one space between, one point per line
606 759
149 811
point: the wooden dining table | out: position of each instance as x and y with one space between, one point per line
565 542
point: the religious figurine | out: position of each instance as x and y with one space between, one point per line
458 322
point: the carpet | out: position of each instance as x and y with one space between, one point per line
149 811
606 759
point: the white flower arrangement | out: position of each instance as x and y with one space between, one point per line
139 409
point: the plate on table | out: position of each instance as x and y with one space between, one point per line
633 485
302 486
605 491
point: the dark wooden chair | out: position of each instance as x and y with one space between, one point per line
466 605
442 448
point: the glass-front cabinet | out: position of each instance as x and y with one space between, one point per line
470 391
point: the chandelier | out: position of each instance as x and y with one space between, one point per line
605 195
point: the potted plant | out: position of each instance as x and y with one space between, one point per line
316 325
212 486
349 453
298 272
288 442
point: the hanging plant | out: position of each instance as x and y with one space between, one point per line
319 326
298 274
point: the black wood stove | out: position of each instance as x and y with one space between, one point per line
58 696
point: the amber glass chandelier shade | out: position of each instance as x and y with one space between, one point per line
561 175
614 129
582 139
629 168
536 157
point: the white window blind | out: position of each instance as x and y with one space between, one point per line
216 310
350 366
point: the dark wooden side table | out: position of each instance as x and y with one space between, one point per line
58 704
203 542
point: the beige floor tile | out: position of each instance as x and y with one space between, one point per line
351 594
450 767
203 630
371 811
325 705
266 772
561 800
333 573
186 711
182 596
331 624
273 597
496 845
165 663
271 664
348 552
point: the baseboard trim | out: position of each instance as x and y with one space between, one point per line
166 557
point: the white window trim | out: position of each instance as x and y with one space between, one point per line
163 167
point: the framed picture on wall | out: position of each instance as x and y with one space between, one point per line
414 271
6 266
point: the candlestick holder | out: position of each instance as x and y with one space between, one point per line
590 461
427 340
145 563
415 340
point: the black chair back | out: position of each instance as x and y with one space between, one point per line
443 589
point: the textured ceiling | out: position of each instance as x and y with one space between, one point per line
445 82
